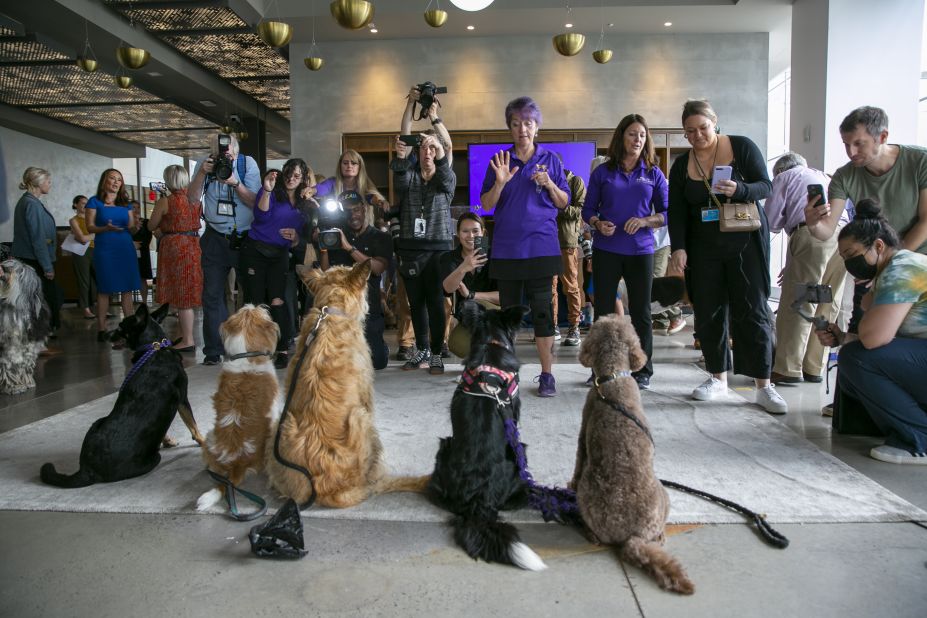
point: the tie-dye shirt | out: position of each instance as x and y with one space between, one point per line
904 280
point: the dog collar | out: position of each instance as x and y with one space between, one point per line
613 376
489 381
234 357
149 350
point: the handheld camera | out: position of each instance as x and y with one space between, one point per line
332 218
426 97
812 293
222 165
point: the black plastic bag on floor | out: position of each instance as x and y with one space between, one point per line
281 536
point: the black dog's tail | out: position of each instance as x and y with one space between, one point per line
81 478
482 535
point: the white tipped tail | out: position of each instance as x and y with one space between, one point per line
524 557
208 499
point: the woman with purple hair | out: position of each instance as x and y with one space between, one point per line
525 187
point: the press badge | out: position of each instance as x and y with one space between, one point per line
418 228
225 208
710 214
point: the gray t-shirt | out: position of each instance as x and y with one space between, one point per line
898 190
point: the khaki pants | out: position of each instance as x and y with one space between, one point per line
661 321
808 260
570 282
404 331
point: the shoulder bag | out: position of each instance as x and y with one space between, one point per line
734 216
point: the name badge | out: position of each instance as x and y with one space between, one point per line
225 208
710 214
418 228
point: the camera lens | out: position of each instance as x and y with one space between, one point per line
394 228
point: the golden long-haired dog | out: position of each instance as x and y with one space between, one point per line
247 401
329 428
621 500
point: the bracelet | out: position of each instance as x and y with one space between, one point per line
352 250
437 120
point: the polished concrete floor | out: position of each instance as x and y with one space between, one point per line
61 564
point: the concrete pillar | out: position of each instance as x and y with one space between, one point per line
848 53
256 144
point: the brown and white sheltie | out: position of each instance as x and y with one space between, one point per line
247 402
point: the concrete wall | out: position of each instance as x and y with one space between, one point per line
73 172
363 84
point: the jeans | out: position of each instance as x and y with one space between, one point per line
216 261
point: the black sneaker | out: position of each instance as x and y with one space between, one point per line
445 353
282 360
212 359
419 360
643 382
404 352
436 365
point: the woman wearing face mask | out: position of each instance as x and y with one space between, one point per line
525 187
425 193
621 196
885 367
728 272
265 255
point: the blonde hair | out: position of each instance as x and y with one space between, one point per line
176 177
33 177
365 186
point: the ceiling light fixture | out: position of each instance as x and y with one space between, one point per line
435 17
352 14
667 23
602 54
132 57
567 25
87 61
471 5
470 28
313 60
373 29
154 74
569 43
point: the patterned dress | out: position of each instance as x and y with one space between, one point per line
180 277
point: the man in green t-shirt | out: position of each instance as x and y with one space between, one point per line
894 174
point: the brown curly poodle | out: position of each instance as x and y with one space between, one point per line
621 500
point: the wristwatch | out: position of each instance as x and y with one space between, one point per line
436 121
353 249
237 182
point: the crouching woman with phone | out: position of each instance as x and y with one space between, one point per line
885 367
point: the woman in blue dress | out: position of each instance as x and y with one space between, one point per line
110 218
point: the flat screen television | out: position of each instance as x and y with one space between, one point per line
576 157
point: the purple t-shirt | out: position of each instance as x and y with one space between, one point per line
615 195
267 225
525 220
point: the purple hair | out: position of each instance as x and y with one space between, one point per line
524 107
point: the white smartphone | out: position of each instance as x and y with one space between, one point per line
721 172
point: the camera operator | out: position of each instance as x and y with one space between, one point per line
227 208
265 253
362 241
425 192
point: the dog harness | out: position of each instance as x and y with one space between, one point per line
491 382
149 351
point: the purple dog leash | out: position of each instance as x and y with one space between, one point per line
150 349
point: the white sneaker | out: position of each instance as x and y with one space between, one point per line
891 454
827 410
709 389
771 401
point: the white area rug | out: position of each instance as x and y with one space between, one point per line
728 447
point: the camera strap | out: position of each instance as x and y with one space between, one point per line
241 164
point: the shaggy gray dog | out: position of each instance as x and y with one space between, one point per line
24 318
621 500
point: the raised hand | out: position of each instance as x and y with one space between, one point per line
269 181
500 166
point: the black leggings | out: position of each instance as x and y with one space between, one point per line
539 295
637 270
426 303
264 279
50 290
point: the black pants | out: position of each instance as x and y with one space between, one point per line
729 286
426 303
217 259
373 331
50 290
637 270
540 297
264 279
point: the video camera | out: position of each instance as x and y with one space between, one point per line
812 293
426 97
222 164
332 219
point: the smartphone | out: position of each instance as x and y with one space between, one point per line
410 140
816 191
721 172
481 244
158 187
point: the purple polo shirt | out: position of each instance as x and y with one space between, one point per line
525 220
267 225
615 195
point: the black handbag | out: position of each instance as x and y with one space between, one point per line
412 267
271 252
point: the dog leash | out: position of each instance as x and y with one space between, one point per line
230 490
767 532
